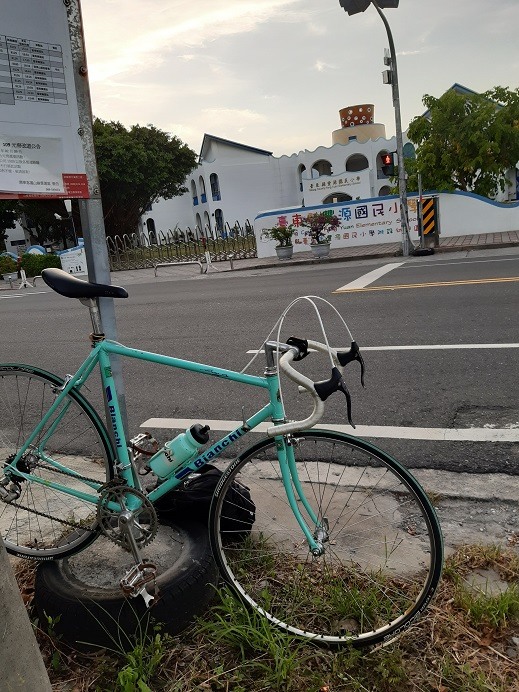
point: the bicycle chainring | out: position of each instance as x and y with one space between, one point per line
144 518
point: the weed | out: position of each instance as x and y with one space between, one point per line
463 643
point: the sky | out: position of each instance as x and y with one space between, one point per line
273 74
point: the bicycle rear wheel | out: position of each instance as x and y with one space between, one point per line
383 550
44 523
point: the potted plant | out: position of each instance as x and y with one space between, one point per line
283 237
319 227
8 268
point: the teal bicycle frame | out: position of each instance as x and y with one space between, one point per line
100 354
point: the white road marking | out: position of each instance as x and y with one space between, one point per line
370 277
420 347
412 265
23 295
379 431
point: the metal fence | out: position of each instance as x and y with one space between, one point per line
141 250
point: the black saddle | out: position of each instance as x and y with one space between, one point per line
72 287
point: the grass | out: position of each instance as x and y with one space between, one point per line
465 642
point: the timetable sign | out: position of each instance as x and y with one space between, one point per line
41 152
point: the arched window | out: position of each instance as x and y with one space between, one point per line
215 187
409 151
152 231
198 225
384 191
201 185
194 194
301 169
218 220
321 167
337 197
356 162
207 222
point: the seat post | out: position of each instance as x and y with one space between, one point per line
95 316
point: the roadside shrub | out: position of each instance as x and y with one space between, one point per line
33 264
7 264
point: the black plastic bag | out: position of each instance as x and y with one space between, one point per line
192 500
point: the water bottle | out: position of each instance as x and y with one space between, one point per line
183 449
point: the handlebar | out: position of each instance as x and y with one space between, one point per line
296 349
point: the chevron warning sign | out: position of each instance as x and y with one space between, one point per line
429 211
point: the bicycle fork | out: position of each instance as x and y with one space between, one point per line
289 473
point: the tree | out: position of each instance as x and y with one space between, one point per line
467 142
9 213
38 219
136 168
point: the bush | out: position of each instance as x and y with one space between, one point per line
7 264
33 264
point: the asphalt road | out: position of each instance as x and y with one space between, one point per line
434 301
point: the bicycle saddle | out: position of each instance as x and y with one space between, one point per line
72 287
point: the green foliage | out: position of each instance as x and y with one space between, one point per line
254 638
38 219
492 610
7 265
468 142
9 212
141 665
137 167
281 234
33 264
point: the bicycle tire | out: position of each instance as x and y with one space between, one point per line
43 523
384 550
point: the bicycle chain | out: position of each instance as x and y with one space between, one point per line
75 525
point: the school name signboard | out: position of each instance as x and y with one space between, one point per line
41 153
366 222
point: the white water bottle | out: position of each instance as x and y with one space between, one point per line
180 450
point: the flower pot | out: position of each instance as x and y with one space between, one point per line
320 250
284 251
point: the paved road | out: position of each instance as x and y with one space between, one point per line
426 302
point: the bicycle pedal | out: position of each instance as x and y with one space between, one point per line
137 577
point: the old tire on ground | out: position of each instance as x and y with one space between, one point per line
88 609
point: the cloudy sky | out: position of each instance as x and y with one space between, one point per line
273 74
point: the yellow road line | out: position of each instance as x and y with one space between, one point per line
428 285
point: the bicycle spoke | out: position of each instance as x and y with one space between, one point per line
382 547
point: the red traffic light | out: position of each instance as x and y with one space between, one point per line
387 159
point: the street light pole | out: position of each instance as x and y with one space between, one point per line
352 7
402 183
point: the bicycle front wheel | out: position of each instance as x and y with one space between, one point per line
382 542
72 449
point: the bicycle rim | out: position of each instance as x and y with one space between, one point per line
383 549
43 523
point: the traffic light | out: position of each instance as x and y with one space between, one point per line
388 167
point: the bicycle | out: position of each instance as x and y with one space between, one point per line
342 545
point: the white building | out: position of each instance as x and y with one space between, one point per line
234 182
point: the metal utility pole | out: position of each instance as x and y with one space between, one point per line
91 209
353 7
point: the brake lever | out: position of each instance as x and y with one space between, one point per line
354 353
336 383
